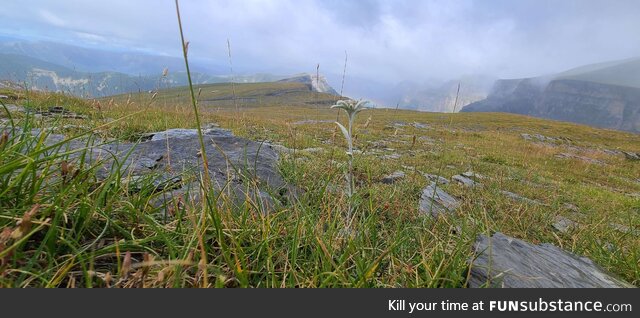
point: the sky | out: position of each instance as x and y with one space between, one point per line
388 41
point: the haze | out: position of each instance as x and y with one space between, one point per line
386 41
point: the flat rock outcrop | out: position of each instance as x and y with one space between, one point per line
245 169
503 261
435 201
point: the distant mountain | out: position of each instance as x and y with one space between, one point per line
94 60
42 75
603 95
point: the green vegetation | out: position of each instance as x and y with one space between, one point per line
60 226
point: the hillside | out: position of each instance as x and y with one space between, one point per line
97 60
603 95
276 208
46 76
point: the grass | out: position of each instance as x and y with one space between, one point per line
62 227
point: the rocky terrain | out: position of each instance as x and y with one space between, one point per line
556 207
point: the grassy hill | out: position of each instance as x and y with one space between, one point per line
86 233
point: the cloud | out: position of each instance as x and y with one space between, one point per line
387 41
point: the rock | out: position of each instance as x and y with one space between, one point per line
181 133
245 168
571 207
4 96
473 175
378 144
394 177
625 229
392 156
312 121
434 201
564 225
427 139
503 261
12 108
520 198
313 150
541 138
436 178
612 152
565 155
631 155
280 148
465 181
420 125
210 126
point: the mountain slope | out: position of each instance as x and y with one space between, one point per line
95 60
316 83
43 75
603 95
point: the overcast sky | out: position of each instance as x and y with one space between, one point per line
389 41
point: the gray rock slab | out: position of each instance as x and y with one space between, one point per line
436 178
393 177
563 224
520 198
467 182
473 175
503 261
565 155
233 162
393 156
632 155
435 201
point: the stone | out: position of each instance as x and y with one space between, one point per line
245 168
632 155
564 225
420 125
565 155
181 133
312 121
473 175
520 198
612 152
313 150
279 148
503 261
392 156
434 201
378 144
436 178
4 96
571 207
12 108
537 137
465 181
427 139
393 177
625 229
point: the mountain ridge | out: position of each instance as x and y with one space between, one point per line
605 95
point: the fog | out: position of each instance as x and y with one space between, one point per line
387 42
